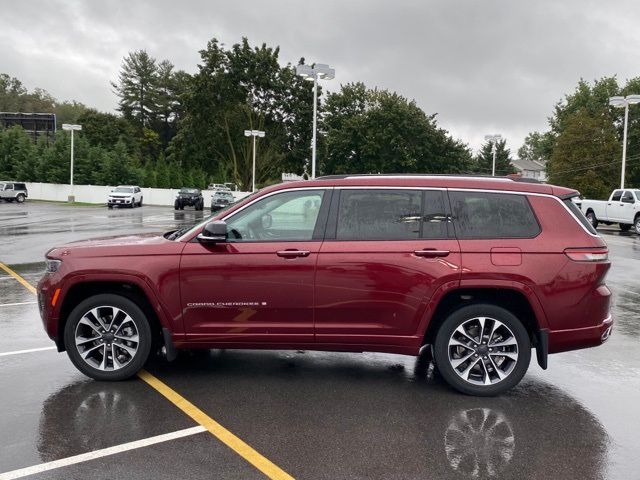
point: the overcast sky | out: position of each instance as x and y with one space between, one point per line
484 66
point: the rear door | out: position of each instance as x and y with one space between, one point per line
385 253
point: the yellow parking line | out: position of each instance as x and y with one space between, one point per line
225 436
26 284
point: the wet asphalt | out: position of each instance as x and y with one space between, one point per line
316 415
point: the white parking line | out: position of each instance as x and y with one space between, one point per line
16 304
84 457
30 350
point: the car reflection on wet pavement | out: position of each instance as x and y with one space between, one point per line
316 415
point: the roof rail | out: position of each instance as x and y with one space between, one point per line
462 175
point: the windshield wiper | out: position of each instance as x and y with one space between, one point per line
178 233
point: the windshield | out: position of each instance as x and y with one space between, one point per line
188 190
123 190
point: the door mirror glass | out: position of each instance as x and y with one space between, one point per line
214 232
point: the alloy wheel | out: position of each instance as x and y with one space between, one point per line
107 338
483 351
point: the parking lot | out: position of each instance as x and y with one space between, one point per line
307 415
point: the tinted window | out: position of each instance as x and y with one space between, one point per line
627 197
493 215
379 215
280 217
580 216
19 186
616 196
435 217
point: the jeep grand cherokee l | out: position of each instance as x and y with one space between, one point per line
479 269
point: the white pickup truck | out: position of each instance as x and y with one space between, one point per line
623 207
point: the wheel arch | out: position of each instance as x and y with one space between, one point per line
130 290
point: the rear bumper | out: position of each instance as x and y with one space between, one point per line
574 339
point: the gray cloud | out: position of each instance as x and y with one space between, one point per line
483 66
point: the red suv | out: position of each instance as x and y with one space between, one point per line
480 269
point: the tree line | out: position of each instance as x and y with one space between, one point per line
176 129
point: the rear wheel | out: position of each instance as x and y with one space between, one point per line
636 224
625 227
140 202
592 218
482 350
108 337
20 197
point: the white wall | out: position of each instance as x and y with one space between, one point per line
98 193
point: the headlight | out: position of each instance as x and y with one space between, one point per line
53 265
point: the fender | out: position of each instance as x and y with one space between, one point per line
166 321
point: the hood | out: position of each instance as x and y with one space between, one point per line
129 245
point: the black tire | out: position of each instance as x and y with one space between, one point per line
592 218
460 317
10 200
625 227
636 224
176 205
141 324
20 198
140 202
109 206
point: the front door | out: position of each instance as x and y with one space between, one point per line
258 286
386 252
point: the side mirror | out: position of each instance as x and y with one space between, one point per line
213 232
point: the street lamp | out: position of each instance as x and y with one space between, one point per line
318 71
68 126
254 134
624 102
493 139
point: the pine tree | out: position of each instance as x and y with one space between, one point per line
484 159
137 88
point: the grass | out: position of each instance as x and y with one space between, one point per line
71 204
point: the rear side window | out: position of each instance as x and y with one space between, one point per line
379 215
20 186
493 215
580 216
627 197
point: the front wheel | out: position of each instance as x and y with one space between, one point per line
592 219
108 337
636 224
482 350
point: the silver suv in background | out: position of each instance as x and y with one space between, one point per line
125 195
10 191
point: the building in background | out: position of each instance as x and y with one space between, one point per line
35 124
535 169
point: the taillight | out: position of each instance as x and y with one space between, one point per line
598 254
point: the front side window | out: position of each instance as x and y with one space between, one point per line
616 196
492 215
286 216
379 215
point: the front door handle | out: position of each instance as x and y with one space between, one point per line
431 253
293 253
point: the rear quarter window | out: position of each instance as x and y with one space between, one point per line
492 215
573 208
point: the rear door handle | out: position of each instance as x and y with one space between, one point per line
293 253
431 253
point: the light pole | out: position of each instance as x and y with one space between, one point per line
624 102
68 126
493 139
318 71
254 134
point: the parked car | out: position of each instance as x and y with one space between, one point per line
125 195
218 186
221 199
481 270
623 207
189 197
13 191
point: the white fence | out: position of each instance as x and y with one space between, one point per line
99 193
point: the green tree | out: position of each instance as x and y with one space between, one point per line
377 131
583 151
537 146
484 159
162 173
137 88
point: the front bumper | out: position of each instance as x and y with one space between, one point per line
576 338
120 201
